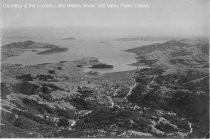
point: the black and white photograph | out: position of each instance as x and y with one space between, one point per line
104 69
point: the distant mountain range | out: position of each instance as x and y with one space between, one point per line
143 38
68 38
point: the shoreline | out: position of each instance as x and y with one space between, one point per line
103 59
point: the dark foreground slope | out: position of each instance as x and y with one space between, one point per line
59 100
178 81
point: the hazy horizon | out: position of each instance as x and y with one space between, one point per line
163 17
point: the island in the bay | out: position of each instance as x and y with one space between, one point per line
18 48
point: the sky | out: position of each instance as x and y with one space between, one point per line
162 15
